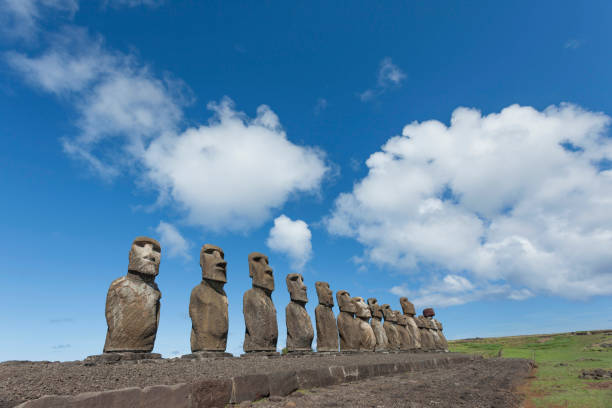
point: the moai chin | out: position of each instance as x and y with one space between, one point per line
348 325
299 326
390 327
327 330
410 312
261 330
366 334
208 303
132 302
382 343
406 340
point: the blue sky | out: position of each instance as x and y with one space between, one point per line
458 154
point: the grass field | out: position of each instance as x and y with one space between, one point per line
560 359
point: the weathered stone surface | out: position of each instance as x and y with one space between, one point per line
409 311
429 312
208 303
299 327
261 329
366 334
390 327
443 340
348 325
250 387
406 340
132 302
163 396
327 330
382 343
211 393
283 383
111 358
427 340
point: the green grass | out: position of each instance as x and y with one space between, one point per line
560 359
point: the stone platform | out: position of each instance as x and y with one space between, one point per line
110 358
198 383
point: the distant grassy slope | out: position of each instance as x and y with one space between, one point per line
560 359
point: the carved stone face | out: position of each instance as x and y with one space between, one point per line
375 308
324 293
145 256
363 310
213 263
296 287
345 303
260 271
429 312
407 306
389 314
402 320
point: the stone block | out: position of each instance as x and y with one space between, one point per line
351 373
211 393
163 396
126 397
250 387
283 383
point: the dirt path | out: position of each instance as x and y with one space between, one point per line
486 383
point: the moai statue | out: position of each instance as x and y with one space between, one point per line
348 325
132 302
433 328
327 330
208 303
441 334
382 343
299 327
366 334
409 311
390 328
427 341
261 330
406 340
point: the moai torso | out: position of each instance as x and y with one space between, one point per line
366 334
132 301
327 330
409 312
261 330
382 343
390 328
428 315
208 303
348 325
406 340
209 317
299 326
427 341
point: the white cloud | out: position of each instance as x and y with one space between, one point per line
512 199
172 241
291 238
228 174
320 106
389 76
572 44
231 173
20 18
134 3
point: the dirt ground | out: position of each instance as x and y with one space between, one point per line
468 384
487 383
